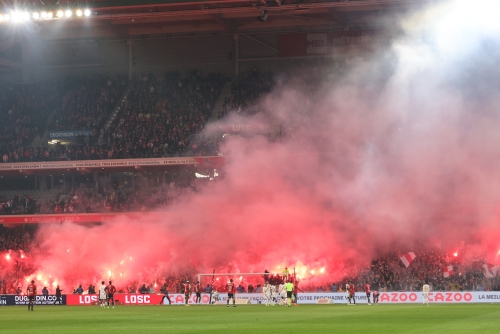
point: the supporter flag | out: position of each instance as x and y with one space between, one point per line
407 258
448 271
490 270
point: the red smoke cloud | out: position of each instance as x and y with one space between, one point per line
395 152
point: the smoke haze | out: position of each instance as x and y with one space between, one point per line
389 153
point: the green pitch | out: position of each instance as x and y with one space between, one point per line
477 318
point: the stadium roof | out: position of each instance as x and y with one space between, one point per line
129 18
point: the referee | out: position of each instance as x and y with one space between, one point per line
289 292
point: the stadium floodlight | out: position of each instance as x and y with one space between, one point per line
16 17
36 16
43 15
6 17
68 13
50 15
79 12
60 13
86 12
20 16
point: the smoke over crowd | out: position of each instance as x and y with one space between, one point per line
395 151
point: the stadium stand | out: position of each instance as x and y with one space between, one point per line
163 112
14 241
24 110
88 105
69 104
246 91
162 118
386 273
88 198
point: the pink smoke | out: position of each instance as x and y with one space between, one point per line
391 153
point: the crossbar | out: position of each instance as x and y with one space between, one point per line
236 274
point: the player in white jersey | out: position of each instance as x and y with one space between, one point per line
273 294
266 290
425 294
102 294
215 296
282 294
267 294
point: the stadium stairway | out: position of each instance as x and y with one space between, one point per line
225 92
122 102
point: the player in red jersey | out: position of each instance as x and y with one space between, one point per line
31 292
197 289
230 292
368 290
110 291
352 291
375 297
187 292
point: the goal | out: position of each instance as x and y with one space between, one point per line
218 281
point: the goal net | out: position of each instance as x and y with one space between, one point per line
245 282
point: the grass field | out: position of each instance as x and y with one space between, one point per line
458 318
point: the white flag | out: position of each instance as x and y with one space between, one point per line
490 270
407 258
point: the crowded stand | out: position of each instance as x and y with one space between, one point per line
87 198
15 264
385 274
162 113
24 110
245 93
89 104
19 204
163 117
388 273
67 104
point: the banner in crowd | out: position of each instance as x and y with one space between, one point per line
490 270
329 43
408 258
70 134
82 165
13 300
78 217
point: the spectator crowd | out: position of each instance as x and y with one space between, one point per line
101 199
162 113
24 110
246 91
386 273
89 104
14 263
161 117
